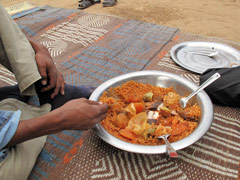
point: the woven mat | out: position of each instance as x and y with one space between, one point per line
90 49
217 154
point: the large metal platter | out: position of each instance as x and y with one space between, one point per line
190 56
163 79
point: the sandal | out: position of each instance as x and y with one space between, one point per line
84 4
109 3
96 1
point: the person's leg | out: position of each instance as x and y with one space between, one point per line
12 92
20 159
70 92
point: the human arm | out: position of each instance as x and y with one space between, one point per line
51 77
78 114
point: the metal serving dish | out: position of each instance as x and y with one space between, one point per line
163 79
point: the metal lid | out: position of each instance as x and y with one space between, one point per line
200 56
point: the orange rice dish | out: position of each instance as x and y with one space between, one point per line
139 113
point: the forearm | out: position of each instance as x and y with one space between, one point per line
49 123
78 114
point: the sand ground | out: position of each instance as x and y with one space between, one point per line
215 18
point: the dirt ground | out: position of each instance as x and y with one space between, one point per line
215 18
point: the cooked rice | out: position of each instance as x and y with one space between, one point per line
118 98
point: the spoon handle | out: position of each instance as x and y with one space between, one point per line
213 78
170 150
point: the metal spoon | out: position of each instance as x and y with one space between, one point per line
212 54
183 101
169 149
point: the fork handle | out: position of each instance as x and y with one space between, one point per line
170 150
213 78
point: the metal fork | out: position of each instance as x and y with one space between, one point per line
169 149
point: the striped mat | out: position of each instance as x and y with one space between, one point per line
90 49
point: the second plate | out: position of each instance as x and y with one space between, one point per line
200 56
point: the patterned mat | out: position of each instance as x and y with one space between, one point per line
217 154
90 49
21 8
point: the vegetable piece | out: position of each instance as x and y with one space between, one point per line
139 107
127 134
122 120
131 108
138 123
148 97
178 129
153 106
165 112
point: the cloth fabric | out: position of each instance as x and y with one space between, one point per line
226 90
21 158
8 124
13 40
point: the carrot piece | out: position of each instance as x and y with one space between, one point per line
167 121
122 120
178 129
127 134
139 107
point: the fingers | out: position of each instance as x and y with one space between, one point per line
56 90
44 80
62 84
96 120
93 102
100 118
99 108
52 78
59 87
103 108
56 81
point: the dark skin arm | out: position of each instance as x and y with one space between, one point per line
78 114
48 70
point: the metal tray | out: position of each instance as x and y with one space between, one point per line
162 79
194 56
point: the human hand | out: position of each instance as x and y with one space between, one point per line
51 77
81 114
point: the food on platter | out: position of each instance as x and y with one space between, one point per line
139 113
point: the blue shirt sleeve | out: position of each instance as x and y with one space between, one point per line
9 121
